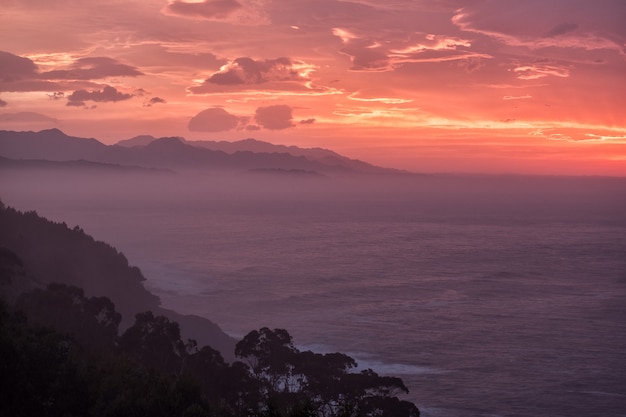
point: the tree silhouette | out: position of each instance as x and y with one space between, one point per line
155 342
93 321
294 383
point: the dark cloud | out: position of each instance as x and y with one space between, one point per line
154 100
208 9
215 119
20 74
253 127
279 74
561 29
307 121
13 67
248 71
3 103
108 94
366 56
275 117
93 68
26 116
57 95
77 103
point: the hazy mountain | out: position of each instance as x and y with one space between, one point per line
51 144
176 153
141 140
74 165
324 156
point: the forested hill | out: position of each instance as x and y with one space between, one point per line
62 353
52 252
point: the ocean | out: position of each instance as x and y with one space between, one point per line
488 296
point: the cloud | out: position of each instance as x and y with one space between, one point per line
3 103
57 95
93 68
387 100
579 135
385 54
279 74
154 100
248 71
561 29
108 94
253 127
365 54
21 74
275 117
208 9
26 116
307 121
536 71
523 24
215 119
264 77
247 12
525 97
13 67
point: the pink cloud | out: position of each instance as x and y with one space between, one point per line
387 53
366 54
215 119
108 94
91 69
248 71
279 73
3 103
524 97
275 117
246 12
208 9
154 100
531 24
21 74
13 67
536 71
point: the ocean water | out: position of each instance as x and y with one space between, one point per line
503 298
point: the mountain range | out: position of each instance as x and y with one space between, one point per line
176 153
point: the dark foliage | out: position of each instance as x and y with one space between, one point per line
53 252
35 252
67 358
93 322
150 371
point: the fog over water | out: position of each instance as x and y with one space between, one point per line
489 296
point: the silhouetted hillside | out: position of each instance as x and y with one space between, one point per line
324 156
74 165
51 144
63 354
176 153
67 358
141 140
52 252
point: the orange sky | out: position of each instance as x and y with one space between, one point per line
533 86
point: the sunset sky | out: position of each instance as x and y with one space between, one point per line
523 86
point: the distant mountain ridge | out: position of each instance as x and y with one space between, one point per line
178 153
